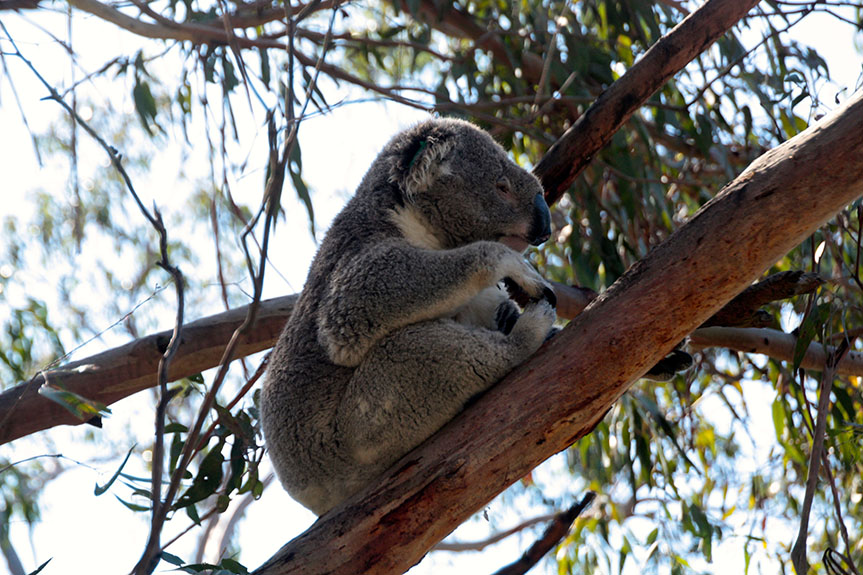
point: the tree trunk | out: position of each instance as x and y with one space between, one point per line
558 396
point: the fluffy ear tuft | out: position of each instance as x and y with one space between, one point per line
421 162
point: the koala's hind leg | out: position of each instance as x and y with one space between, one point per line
418 378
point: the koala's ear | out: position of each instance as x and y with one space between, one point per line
421 162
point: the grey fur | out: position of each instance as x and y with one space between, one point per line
402 321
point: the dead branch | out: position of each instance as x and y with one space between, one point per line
461 546
798 552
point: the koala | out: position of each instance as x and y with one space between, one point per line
403 319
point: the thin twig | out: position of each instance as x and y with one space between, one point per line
843 530
737 61
148 561
548 57
460 546
262 368
798 552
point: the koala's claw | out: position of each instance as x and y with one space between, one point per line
520 296
553 332
516 292
549 295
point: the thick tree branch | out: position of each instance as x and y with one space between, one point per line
122 371
563 391
117 373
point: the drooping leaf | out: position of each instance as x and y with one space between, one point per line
81 407
97 491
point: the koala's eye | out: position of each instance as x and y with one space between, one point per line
504 188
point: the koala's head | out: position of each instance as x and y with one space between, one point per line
465 187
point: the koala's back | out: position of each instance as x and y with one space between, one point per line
303 388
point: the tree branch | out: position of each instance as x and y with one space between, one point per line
798 551
775 344
559 394
119 372
744 310
556 531
461 546
122 371
595 128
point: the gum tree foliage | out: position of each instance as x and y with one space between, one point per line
677 465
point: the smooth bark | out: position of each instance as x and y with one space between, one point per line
775 344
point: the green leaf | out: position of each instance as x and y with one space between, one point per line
172 559
265 66
625 550
175 451
192 512
812 325
207 480
704 134
100 490
229 81
81 407
778 412
295 167
233 566
238 464
42 566
145 104
133 506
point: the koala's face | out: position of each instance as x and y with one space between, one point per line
468 189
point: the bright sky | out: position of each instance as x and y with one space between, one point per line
97 534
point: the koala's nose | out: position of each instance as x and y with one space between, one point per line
540 229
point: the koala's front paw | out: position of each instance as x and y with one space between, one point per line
522 297
534 324
523 282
